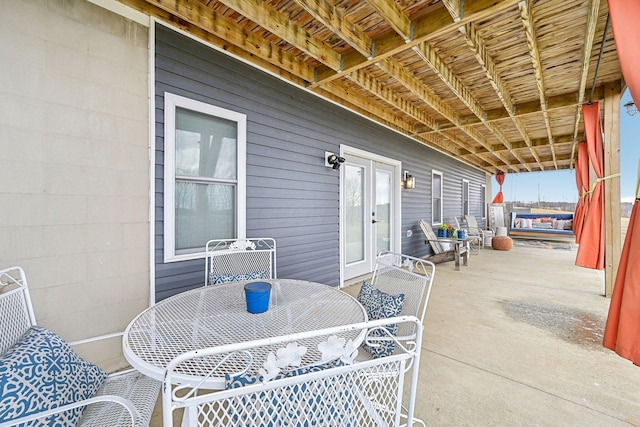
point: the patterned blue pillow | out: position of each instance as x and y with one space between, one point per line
327 399
215 279
42 372
380 305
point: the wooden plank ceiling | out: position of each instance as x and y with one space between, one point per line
497 84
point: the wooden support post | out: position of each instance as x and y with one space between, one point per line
612 204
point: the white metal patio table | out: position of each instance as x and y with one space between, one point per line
217 315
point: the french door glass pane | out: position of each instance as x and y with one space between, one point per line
383 210
202 211
205 145
354 207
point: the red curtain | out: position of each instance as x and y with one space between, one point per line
591 249
499 197
622 331
625 17
582 182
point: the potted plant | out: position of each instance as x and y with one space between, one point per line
462 233
450 230
442 230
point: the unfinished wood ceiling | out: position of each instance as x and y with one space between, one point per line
498 84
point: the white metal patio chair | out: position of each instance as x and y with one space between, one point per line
475 242
474 230
124 399
232 260
309 378
397 273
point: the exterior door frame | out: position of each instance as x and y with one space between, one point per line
346 151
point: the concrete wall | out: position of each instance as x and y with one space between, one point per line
74 168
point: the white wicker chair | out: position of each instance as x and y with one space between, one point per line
320 384
125 399
230 260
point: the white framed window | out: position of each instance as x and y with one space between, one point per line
483 201
465 197
436 197
204 176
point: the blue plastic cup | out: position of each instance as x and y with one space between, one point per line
258 295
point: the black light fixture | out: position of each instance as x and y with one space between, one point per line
408 181
632 108
334 161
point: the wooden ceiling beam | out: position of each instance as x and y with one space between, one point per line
373 108
334 19
486 157
528 23
589 36
222 32
454 7
407 79
391 12
381 91
435 24
449 78
477 45
521 110
280 25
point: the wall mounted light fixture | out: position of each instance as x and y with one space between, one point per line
332 160
408 181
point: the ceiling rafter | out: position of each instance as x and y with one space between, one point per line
453 7
383 92
427 28
407 79
526 16
377 110
275 22
447 75
485 156
523 110
589 36
212 23
391 12
334 19
475 42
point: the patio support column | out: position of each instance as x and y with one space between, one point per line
612 205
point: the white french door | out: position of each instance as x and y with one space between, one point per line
370 211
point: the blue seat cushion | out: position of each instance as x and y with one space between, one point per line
42 372
380 305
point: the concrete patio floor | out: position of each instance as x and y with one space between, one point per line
514 339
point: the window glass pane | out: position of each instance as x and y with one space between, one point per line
354 204
205 145
202 211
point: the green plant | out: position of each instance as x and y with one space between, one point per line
443 226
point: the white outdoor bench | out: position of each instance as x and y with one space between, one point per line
43 381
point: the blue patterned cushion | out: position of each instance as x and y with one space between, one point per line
327 399
42 372
215 279
380 305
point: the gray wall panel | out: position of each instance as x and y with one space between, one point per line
291 195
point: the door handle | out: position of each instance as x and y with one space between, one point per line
373 221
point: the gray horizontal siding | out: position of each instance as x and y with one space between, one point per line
291 195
